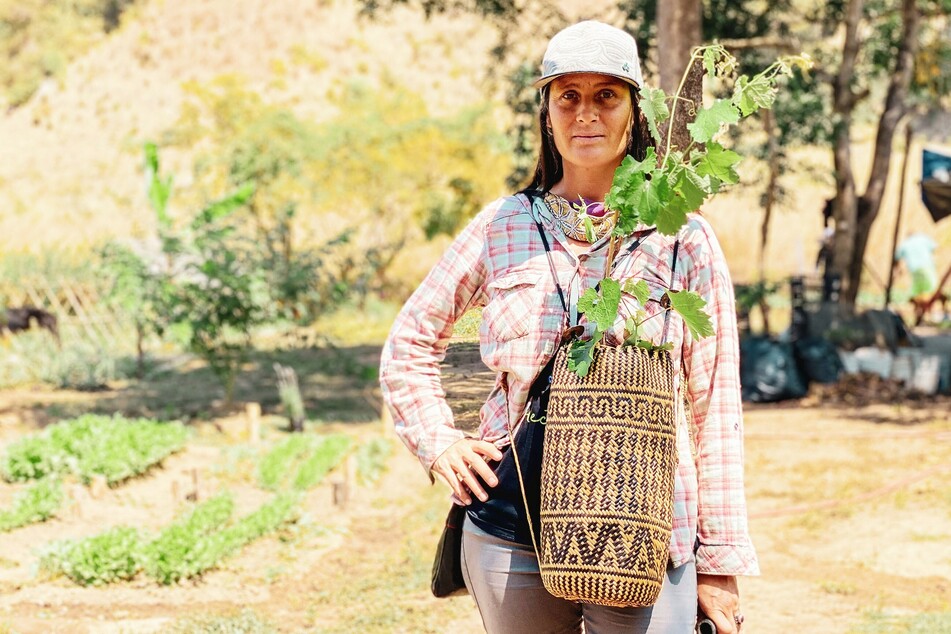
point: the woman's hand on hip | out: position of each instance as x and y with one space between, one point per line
460 464
719 599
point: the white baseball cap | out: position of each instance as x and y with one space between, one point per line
591 47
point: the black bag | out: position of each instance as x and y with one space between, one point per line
818 359
768 371
447 578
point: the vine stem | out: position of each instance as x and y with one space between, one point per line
673 108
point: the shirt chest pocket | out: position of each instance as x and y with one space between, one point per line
515 303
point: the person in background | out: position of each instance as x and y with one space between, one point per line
916 253
514 259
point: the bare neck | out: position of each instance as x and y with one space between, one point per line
591 184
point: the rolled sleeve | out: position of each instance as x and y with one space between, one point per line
713 393
416 345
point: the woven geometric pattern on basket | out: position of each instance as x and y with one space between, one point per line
608 478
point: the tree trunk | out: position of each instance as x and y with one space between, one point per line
895 108
771 187
845 206
678 32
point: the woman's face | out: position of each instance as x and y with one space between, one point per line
590 118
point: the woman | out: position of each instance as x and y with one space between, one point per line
507 260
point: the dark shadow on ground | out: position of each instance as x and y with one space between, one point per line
337 385
467 383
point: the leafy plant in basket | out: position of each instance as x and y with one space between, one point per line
662 189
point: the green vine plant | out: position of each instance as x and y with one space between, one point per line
661 192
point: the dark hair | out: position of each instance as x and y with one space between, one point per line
550 170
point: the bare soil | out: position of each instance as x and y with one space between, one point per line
850 511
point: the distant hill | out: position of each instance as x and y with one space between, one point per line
70 170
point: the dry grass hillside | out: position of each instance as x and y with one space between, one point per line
69 159
70 170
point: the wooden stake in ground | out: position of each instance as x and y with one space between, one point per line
194 495
253 413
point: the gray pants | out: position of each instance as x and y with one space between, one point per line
504 580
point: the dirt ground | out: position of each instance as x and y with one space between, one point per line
850 511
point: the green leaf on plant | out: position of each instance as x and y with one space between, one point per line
224 206
581 354
627 189
718 163
639 290
631 166
672 216
651 346
589 231
710 120
651 196
692 187
689 306
631 327
601 308
749 95
653 103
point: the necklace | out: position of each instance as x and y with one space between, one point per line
567 214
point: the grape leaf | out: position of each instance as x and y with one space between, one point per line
627 190
651 197
689 306
630 331
692 187
709 120
749 95
718 163
639 290
672 216
631 166
581 354
601 309
653 103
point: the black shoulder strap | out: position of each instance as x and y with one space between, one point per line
551 263
670 287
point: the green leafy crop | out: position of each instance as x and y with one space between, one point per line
661 190
302 460
185 549
116 448
36 503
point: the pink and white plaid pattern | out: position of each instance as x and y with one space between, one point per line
499 262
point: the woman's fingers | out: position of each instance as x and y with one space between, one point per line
463 462
719 599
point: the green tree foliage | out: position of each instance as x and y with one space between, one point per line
38 38
381 173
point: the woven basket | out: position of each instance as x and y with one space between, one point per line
608 478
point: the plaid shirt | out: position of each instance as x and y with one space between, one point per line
499 262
